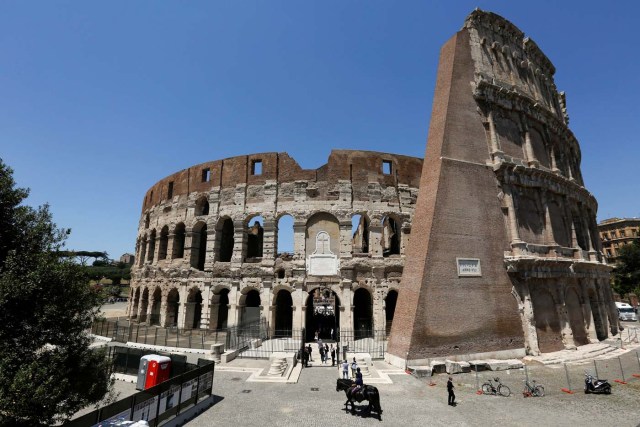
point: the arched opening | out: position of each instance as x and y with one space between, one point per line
389 309
328 224
360 234
178 241
199 246
390 237
156 303
225 239
280 273
152 246
146 221
576 318
173 307
322 314
143 251
255 237
547 322
136 301
284 240
164 242
193 312
284 314
251 309
202 206
601 327
362 314
144 305
220 309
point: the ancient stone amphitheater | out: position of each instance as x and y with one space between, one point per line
502 255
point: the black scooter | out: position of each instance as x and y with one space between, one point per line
594 385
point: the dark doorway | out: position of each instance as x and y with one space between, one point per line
173 305
323 315
251 312
223 309
284 314
362 314
389 310
226 240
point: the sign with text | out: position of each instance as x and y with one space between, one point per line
469 267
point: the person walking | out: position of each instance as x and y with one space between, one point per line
310 351
322 355
333 356
345 369
354 367
452 396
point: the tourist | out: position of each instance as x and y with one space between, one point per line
345 369
326 350
333 356
358 383
322 354
310 351
305 358
354 367
452 396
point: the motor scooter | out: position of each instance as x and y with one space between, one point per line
595 385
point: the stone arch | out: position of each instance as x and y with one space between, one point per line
559 227
283 313
135 302
255 236
144 305
391 227
250 302
220 308
547 321
322 222
202 206
389 309
362 313
284 234
539 147
530 218
360 233
193 309
510 136
147 220
152 246
598 320
199 245
225 239
156 304
163 243
173 307
576 317
178 240
320 317
143 250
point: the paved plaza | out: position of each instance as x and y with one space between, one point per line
313 400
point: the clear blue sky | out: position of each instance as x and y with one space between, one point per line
99 100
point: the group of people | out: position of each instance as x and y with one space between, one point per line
325 351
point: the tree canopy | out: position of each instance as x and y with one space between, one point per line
626 275
47 371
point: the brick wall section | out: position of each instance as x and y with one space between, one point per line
457 215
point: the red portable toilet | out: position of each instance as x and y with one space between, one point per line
158 370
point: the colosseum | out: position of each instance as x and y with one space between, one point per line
209 242
488 247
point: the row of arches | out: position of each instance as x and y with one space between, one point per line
225 239
155 307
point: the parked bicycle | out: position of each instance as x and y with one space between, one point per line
498 389
531 389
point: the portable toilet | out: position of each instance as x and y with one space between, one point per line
153 370
158 370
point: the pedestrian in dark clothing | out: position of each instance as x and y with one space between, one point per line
322 355
333 356
310 350
305 358
452 396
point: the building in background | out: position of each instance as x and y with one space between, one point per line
127 258
615 233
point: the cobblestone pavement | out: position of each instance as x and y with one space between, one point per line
412 401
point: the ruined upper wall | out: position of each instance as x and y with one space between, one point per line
358 167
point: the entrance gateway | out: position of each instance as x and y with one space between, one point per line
323 311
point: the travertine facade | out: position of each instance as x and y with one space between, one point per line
508 260
617 232
202 261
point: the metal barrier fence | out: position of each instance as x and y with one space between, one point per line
369 341
127 331
157 404
125 360
282 341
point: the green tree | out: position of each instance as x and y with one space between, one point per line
47 371
626 275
